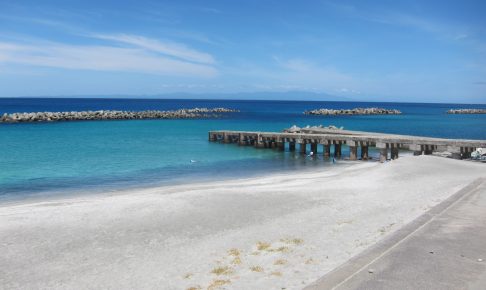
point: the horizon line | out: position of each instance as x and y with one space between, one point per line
144 97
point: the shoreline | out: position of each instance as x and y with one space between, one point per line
71 193
101 190
274 231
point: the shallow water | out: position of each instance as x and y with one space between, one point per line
108 155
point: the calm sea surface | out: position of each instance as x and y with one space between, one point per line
69 157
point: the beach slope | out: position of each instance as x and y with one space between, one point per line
273 232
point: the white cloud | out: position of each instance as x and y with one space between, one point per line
142 58
168 48
211 10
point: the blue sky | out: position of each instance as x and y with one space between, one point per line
411 51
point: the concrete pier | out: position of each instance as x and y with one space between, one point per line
394 151
357 141
353 150
292 146
383 154
337 150
314 148
259 142
364 152
383 151
327 150
353 153
241 140
226 138
212 137
303 148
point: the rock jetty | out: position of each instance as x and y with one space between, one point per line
113 115
466 111
355 111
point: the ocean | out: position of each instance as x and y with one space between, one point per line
42 159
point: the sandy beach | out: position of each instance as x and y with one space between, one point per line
274 232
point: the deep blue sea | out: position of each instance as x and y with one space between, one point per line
73 157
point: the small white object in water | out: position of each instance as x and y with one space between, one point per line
193 161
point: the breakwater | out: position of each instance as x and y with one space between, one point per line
355 111
114 115
466 111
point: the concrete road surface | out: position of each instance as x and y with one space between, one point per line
443 249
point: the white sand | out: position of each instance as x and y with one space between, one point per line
173 237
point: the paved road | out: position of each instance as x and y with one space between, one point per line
443 249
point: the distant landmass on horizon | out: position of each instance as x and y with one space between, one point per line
273 96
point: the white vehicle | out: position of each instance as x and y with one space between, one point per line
479 154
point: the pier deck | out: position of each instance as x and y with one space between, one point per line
386 143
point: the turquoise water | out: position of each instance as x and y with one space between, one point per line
46 158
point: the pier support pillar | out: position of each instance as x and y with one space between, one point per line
259 143
466 152
314 148
291 146
212 137
337 150
303 147
353 152
394 151
383 154
417 149
241 140
427 149
327 150
281 146
273 144
383 151
364 152
226 138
